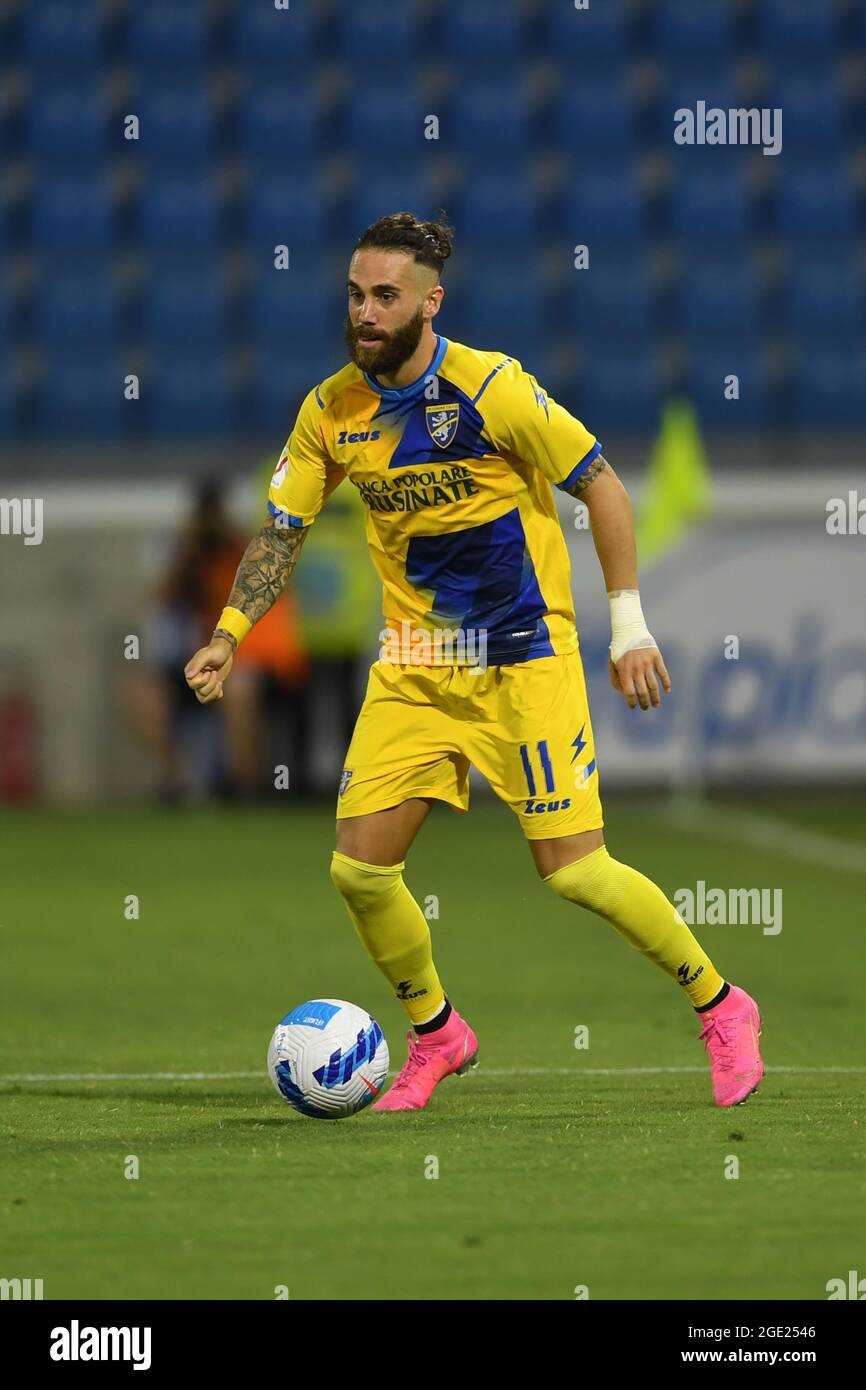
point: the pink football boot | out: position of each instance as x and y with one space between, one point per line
730 1035
451 1050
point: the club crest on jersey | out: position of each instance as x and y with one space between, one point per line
345 778
442 422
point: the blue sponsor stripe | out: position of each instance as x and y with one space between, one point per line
584 463
319 399
590 768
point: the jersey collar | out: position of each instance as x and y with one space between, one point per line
395 394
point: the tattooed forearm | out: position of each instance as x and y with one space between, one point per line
264 570
588 476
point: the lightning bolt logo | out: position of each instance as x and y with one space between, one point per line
578 744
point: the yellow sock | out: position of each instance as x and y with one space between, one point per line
394 931
642 914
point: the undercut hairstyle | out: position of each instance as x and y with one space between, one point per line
429 243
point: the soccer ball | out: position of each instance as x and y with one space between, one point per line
328 1058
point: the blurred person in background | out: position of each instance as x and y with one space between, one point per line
272 674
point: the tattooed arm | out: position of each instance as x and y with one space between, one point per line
262 575
635 660
610 518
264 571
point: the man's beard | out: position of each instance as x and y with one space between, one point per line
391 352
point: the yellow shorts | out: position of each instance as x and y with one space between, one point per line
526 727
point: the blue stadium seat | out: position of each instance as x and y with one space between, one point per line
81 397
595 120
167 37
62 36
490 125
378 32
279 42
279 128
6 318
604 206
192 395
486 28
825 294
7 399
5 222
78 306
710 205
386 119
185 306
708 363
611 300
812 116
619 390
503 304
499 209
816 200
682 28
72 214
176 124
180 213
67 126
600 31
377 194
718 296
282 382
802 27
830 385
285 211
296 312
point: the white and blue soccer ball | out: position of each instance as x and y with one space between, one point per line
328 1058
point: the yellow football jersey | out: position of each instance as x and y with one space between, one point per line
455 472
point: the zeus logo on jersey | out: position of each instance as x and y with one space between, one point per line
442 422
340 1068
533 806
359 437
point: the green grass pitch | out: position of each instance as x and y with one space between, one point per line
558 1168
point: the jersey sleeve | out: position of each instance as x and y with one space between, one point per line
305 475
520 418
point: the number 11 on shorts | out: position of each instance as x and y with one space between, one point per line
544 758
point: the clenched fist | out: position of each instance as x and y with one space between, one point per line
206 671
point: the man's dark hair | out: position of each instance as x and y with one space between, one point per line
429 243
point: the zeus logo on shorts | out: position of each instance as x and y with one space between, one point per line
534 806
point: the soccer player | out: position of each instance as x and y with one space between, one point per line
454 452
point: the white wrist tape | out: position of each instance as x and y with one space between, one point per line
628 629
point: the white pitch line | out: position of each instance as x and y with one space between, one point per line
767 832
482 1071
